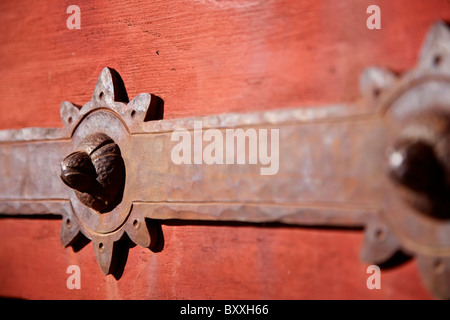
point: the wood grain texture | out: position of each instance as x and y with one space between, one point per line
202 262
201 57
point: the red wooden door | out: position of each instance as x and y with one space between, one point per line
202 57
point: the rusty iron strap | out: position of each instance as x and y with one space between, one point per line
379 164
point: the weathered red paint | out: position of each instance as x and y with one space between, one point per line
201 57
202 262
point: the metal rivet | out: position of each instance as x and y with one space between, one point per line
437 59
380 234
439 266
376 92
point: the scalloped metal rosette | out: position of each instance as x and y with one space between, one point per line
106 113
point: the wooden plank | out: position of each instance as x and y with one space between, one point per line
202 262
202 57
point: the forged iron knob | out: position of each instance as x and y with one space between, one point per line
78 171
419 164
96 172
414 165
